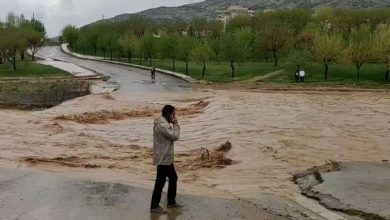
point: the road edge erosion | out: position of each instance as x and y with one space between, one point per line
66 50
354 188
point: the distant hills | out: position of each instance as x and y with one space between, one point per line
206 9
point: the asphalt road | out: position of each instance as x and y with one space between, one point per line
38 195
128 79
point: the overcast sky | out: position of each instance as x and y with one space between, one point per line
58 13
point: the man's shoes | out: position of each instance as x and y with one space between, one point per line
175 206
158 210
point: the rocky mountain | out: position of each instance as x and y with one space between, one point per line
206 9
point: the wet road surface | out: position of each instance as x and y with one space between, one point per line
128 79
39 195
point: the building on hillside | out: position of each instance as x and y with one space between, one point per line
231 12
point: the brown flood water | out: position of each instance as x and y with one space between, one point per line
272 134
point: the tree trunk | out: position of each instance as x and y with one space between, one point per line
129 55
140 59
110 54
14 62
275 58
173 64
186 67
1 59
358 66
150 60
204 69
32 56
232 66
387 75
266 57
326 71
95 50
22 55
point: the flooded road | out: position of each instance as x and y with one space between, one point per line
273 134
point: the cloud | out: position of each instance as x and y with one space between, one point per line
58 13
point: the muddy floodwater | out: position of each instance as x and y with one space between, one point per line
273 134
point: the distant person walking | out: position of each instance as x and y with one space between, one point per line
153 74
166 131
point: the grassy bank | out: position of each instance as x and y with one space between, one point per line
371 76
41 93
31 69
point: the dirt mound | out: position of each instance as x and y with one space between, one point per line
103 117
206 159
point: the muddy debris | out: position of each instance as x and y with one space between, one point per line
215 159
63 161
104 116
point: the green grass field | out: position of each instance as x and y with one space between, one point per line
30 69
218 72
371 76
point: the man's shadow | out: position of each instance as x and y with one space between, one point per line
168 216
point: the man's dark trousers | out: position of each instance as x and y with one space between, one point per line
164 171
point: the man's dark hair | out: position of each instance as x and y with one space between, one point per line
167 111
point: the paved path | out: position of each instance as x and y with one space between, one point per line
34 195
128 79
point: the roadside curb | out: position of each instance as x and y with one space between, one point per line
65 49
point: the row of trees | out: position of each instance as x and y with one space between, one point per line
300 36
17 34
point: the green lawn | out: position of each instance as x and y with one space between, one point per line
371 76
30 69
218 72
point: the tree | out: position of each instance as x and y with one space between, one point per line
239 22
199 26
10 44
71 35
382 46
215 29
360 47
202 52
102 41
128 42
169 47
186 44
275 36
92 34
237 46
35 41
148 46
327 49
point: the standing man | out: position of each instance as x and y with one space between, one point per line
302 76
165 132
